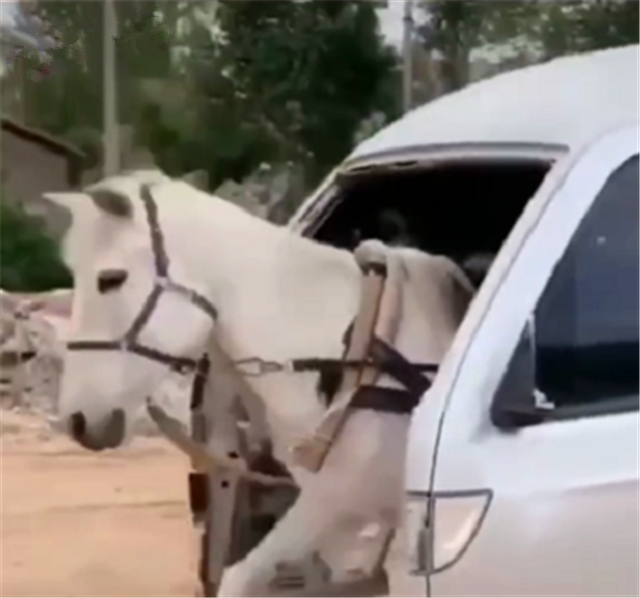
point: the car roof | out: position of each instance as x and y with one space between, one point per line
568 101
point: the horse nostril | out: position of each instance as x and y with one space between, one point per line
106 433
115 430
78 425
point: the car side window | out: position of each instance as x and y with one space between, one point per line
586 322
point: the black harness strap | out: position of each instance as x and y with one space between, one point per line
160 256
199 382
386 400
314 364
144 315
394 364
382 356
388 361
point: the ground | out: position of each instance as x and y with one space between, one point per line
74 523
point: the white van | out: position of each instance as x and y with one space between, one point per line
522 471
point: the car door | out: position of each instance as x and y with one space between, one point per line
523 472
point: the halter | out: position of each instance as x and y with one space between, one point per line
162 284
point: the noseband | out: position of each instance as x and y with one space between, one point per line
162 284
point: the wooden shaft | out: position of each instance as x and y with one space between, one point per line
205 460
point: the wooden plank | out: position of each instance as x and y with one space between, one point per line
223 437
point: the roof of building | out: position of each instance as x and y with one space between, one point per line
567 102
53 144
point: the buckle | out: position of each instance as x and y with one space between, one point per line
254 367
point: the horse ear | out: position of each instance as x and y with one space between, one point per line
67 205
65 199
70 202
198 179
112 202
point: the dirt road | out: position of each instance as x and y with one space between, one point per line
76 523
73 523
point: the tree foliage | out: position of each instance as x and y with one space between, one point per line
552 29
580 26
283 81
29 259
222 86
229 86
69 103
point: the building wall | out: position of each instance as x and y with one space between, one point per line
28 170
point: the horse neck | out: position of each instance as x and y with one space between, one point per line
278 295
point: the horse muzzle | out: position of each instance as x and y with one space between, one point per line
107 433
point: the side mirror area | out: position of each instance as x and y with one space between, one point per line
517 403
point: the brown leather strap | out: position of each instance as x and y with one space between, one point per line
312 452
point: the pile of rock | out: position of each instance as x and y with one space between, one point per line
33 329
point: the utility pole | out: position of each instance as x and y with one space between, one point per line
111 132
407 57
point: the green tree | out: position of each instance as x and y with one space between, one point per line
581 26
286 81
29 259
223 86
69 102
455 29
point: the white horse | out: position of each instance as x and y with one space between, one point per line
278 296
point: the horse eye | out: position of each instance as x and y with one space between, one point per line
111 280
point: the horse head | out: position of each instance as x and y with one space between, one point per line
140 306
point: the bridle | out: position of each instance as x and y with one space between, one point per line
163 283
